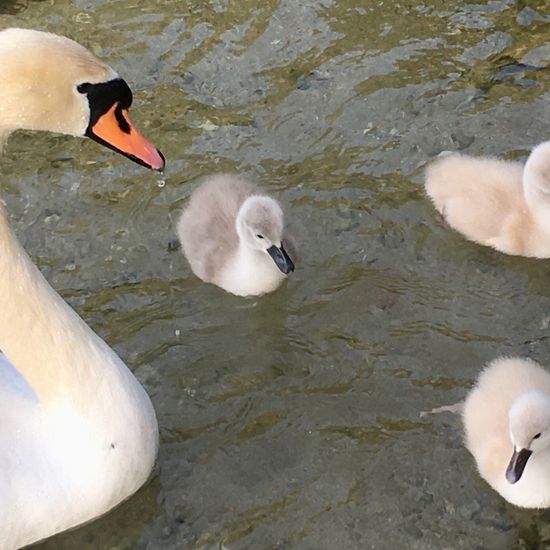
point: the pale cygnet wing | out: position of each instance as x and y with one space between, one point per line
207 226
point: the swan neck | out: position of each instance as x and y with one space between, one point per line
55 364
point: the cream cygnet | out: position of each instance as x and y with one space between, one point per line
507 430
234 237
494 202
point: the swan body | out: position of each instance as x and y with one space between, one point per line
507 429
496 203
78 432
234 237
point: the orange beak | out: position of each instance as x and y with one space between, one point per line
114 130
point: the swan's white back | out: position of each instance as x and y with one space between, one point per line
43 459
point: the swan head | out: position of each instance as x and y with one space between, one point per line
529 424
260 226
536 175
51 83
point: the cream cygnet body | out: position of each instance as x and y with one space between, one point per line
234 237
78 433
507 430
494 202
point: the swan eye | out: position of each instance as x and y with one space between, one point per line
259 236
537 436
83 88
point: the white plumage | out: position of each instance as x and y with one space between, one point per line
496 203
78 433
507 430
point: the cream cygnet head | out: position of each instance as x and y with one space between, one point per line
260 226
529 419
536 184
51 83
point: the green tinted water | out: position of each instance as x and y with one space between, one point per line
292 421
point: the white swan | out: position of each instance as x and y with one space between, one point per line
494 202
507 430
234 237
78 434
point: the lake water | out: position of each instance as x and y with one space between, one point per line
292 421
